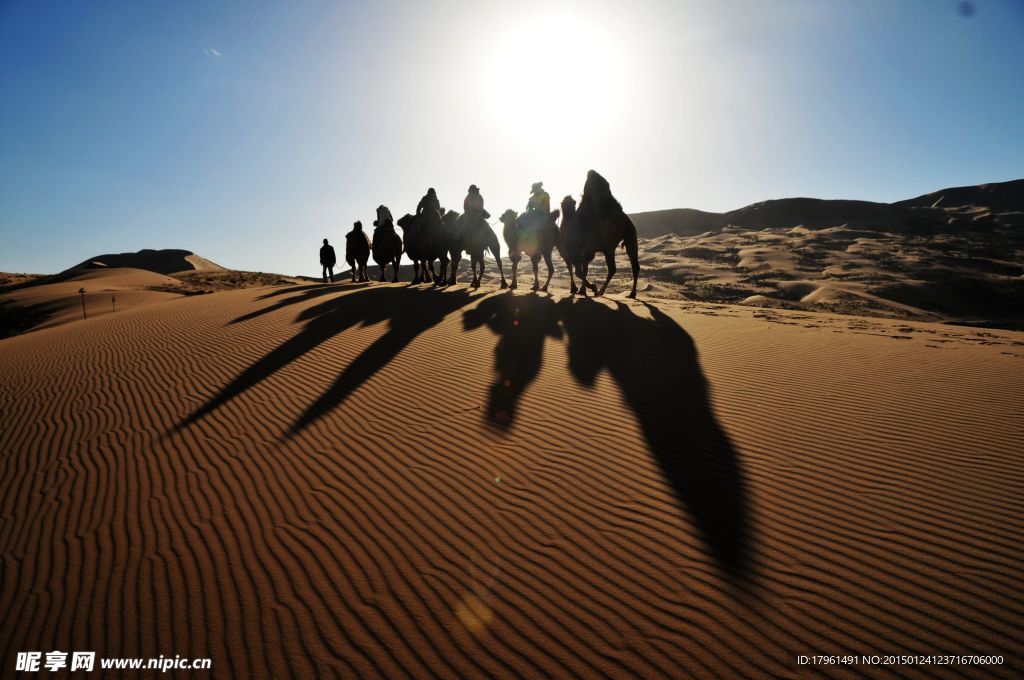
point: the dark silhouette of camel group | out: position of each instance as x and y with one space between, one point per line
600 225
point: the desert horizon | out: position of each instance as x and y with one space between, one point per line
946 256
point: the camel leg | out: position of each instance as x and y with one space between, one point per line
382 267
551 271
515 266
478 262
609 258
452 280
581 272
634 262
535 261
495 250
394 266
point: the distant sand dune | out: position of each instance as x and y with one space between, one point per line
382 481
56 300
168 261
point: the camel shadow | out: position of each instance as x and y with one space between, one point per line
521 322
301 294
654 362
408 313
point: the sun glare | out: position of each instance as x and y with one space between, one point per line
555 80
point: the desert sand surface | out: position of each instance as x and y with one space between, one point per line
385 481
115 283
41 304
955 255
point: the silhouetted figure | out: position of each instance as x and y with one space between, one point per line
605 226
327 260
357 251
425 241
477 237
540 201
534 234
473 204
429 202
387 244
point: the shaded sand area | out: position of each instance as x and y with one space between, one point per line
380 481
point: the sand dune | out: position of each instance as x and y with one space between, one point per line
381 481
954 209
29 303
51 301
167 261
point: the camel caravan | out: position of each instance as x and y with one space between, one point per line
597 225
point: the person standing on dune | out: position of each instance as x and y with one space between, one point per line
327 260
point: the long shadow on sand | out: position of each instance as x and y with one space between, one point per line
654 362
303 293
408 312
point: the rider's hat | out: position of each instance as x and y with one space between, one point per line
473 187
537 186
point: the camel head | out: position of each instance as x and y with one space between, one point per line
568 206
405 220
383 215
450 218
508 217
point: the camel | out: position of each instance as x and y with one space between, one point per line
570 246
604 226
535 235
478 237
423 239
387 244
357 252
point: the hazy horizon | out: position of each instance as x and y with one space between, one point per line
249 132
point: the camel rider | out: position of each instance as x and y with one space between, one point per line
429 202
539 201
473 205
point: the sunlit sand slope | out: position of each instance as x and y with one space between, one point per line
381 481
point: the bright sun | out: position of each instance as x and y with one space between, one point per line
554 81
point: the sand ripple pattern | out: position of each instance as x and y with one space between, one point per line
350 481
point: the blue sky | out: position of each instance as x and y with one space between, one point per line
249 131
